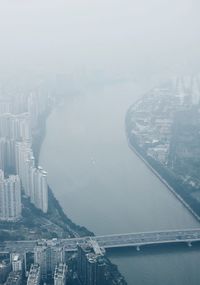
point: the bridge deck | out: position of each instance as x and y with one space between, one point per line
113 241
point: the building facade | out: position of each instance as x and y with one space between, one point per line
91 264
60 274
48 255
10 198
34 179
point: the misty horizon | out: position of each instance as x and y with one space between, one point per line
107 37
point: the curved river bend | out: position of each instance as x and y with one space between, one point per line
103 185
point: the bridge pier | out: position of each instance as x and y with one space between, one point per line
137 248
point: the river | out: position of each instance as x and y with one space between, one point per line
103 185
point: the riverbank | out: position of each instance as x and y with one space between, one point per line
34 224
163 174
163 181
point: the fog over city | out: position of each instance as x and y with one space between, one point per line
99 142
109 37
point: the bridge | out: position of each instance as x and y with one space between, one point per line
137 240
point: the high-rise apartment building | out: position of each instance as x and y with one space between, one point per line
10 198
5 106
2 153
34 180
60 274
40 189
15 127
7 155
91 264
22 154
48 255
17 262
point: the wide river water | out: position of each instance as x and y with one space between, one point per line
103 185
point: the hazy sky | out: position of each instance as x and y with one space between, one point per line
105 35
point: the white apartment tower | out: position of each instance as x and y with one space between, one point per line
7 154
10 198
39 188
16 127
34 180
